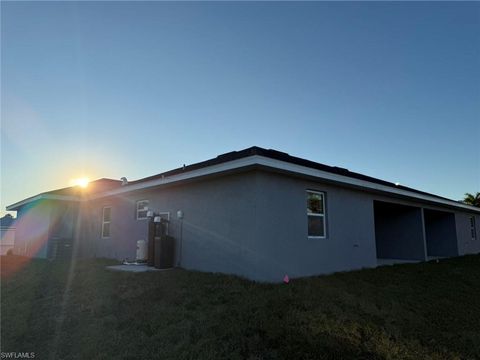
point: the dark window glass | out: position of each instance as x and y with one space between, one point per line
106 230
107 214
316 226
315 203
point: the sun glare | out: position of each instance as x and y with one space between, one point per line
82 182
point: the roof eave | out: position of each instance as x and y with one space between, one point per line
266 162
18 205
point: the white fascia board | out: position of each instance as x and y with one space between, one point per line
15 206
214 169
278 164
285 166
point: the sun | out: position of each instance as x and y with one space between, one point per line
82 182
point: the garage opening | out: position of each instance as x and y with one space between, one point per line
440 232
399 232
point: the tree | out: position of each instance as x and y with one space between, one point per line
471 199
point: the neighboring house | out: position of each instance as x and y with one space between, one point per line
257 213
7 234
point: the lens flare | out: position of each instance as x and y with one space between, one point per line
82 182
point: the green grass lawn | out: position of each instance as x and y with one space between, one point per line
420 311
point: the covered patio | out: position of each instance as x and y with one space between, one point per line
399 233
440 233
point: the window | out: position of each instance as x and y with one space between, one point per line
473 228
166 216
316 214
106 220
142 208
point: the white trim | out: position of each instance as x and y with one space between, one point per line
214 169
357 182
137 209
106 222
315 191
40 197
322 215
286 166
264 161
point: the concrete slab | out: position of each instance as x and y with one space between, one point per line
134 268
383 262
430 258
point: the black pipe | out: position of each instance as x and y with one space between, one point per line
151 243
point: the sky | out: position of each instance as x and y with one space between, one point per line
113 89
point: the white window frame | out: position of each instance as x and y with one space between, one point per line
323 216
168 218
106 222
144 209
473 228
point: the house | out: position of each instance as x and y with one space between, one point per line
7 234
257 213
48 223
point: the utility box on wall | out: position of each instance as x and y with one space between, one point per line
164 252
161 247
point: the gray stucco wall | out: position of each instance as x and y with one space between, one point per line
218 220
125 230
255 224
63 229
465 243
252 224
63 218
283 246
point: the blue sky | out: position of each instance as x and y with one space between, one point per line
112 89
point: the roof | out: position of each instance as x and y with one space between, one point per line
282 156
258 157
273 159
71 193
7 221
